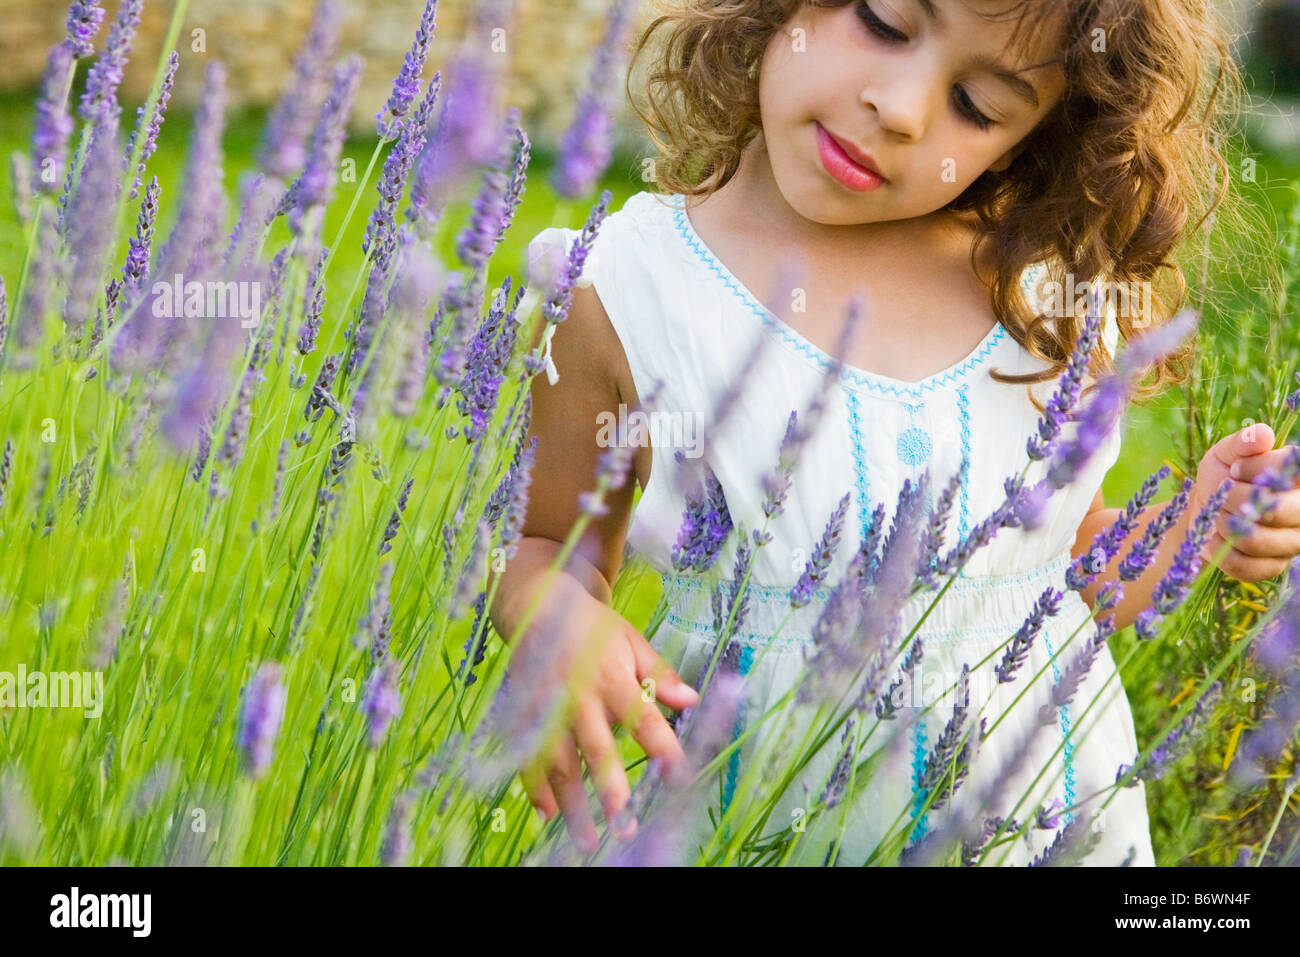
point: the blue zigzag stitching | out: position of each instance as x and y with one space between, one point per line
806 348
963 415
918 795
855 421
733 763
1065 731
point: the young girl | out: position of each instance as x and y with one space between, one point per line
941 160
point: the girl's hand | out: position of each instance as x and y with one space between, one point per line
1273 538
587 631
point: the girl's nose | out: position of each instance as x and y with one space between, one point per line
901 104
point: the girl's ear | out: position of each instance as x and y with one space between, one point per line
1002 162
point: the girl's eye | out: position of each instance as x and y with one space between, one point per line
878 26
967 108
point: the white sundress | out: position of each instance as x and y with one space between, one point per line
685 320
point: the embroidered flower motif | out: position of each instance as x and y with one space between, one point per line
914 446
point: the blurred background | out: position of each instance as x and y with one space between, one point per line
547 48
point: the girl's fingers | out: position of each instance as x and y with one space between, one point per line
650 729
539 791
1262 542
1243 567
565 777
668 686
1285 510
603 762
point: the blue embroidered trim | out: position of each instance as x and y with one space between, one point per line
733 763
1065 731
768 594
882 385
864 500
914 446
918 795
963 413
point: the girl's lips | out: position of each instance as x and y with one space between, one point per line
843 167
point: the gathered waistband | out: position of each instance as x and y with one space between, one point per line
975 607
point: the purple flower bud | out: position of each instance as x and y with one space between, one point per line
586 146
84 19
381 702
105 74
260 718
53 124
407 83
815 570
155 122
283 151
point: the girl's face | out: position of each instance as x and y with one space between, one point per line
925 91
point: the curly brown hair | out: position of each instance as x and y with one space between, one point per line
1123 172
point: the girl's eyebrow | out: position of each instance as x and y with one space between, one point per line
1018 84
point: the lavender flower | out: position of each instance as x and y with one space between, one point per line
706 523
1071 843
1067 392
1169 592
6 465
380 238
839 777
489 215
945 747
1164 754
556 307
934 531
375 627
199 222
467 586
105 74
466 136
1293 398
381 702
136 269
520 478
396 849
585 147
815 570
1143 553
395 521
407 83
84 19
53 124
486 365
260 718
321 397
1108 542
1006 515
155 122
314 186
1074 674
283 151
1047 605
89 224
316 289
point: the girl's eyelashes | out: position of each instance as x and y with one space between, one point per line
964 105
878 26
968 109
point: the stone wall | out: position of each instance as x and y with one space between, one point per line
548 47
